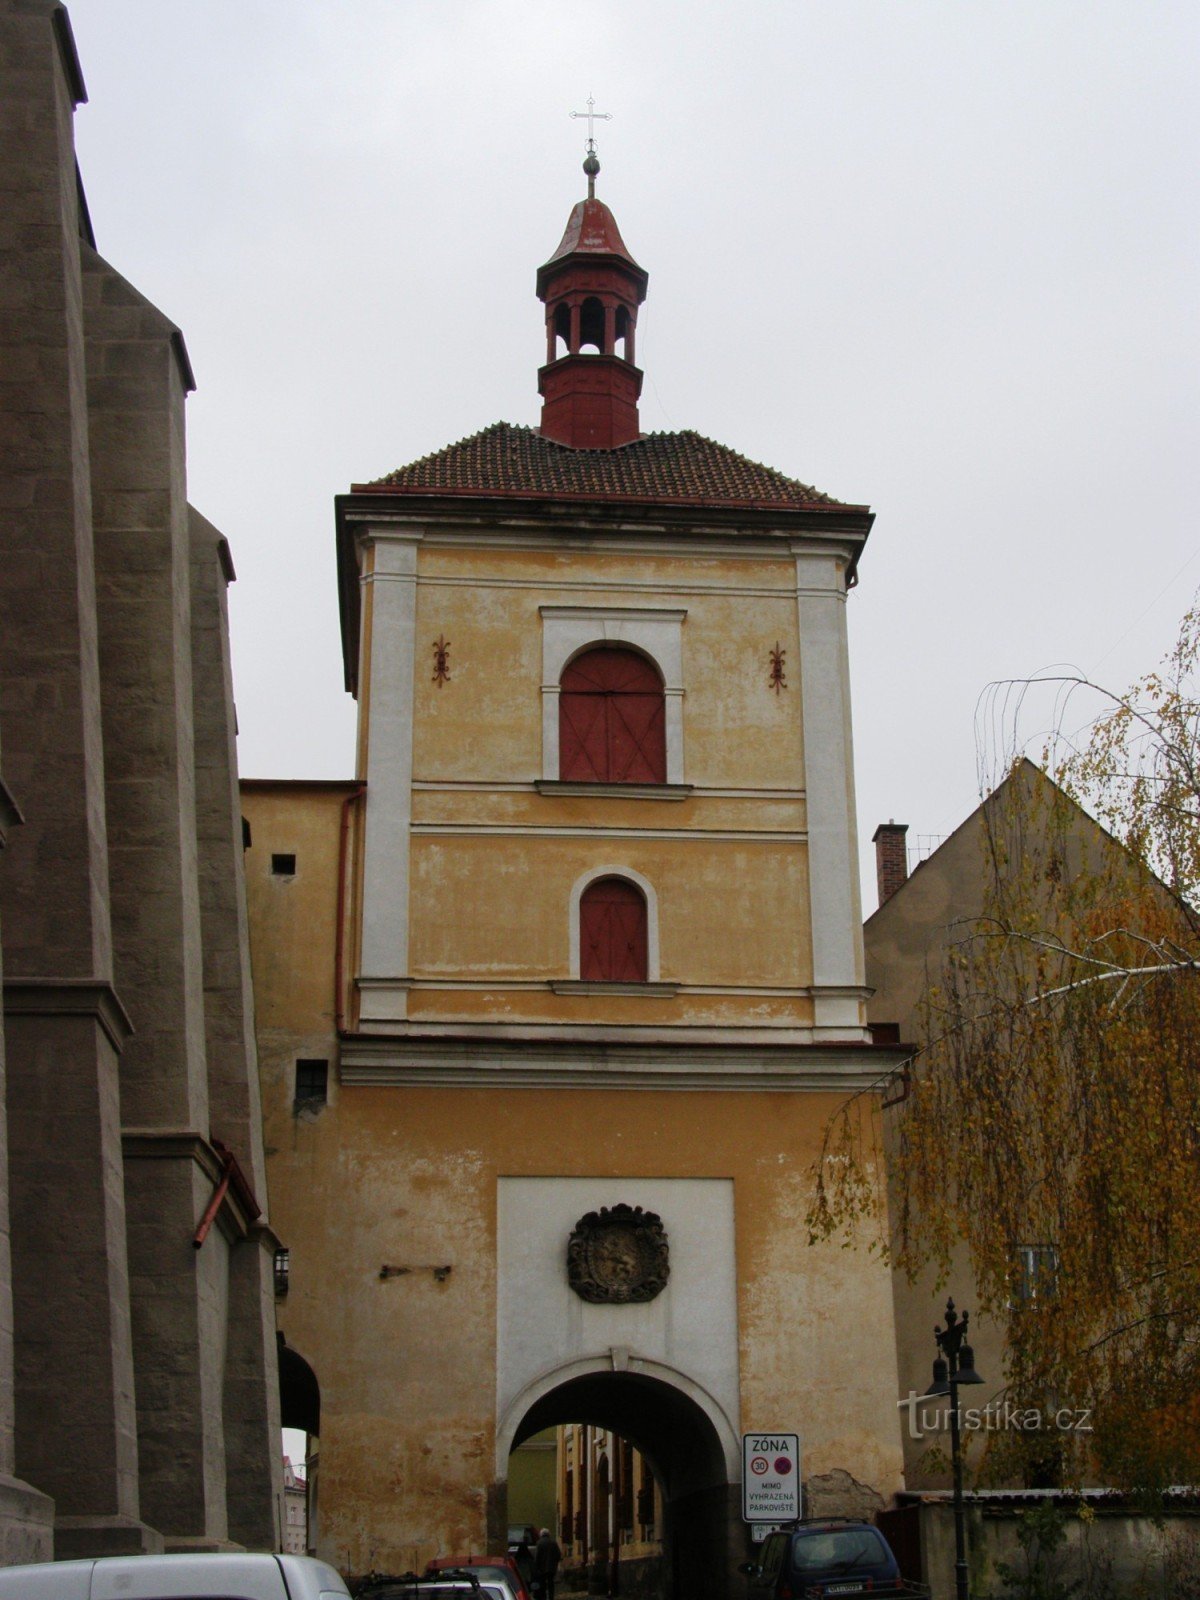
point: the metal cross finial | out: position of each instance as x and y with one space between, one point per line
592 115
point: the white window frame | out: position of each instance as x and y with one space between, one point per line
569 630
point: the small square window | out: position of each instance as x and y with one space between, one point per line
312 1083
283 866
282 1264
1036 1274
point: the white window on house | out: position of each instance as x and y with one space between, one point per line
1035 1274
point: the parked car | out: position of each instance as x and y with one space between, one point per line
502 1570
812 1560
175 1577
452 1584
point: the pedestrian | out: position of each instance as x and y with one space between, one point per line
546 1557
523 1556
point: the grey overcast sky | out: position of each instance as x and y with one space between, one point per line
938 257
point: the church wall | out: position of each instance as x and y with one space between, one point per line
66 1198
117 1321
251 1394
178 1296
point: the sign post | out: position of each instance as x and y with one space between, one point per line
770 1477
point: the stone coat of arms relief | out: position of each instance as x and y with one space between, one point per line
618 1256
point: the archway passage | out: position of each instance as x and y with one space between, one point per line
701 1529
299 1392
300 1420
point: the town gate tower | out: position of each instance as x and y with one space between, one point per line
556 995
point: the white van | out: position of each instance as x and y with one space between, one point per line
177 1577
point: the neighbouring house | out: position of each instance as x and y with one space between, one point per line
920 914
295 1511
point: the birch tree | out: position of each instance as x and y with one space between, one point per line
1057 1094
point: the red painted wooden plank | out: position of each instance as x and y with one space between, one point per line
612 932
612 719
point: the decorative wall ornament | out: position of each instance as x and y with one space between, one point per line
777 680
441 661
618 1256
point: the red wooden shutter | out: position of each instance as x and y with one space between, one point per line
611 719
612 932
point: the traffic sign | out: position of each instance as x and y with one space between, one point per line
770 1477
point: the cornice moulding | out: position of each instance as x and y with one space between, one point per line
478 1063
70 997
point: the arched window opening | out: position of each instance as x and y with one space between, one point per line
612 719
624 346
591 324
612 932
562 330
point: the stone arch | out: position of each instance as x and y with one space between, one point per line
592 325
685 1435
299 1392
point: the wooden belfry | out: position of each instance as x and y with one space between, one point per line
592 288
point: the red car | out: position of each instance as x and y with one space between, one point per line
488 1569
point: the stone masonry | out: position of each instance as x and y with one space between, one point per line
138 1380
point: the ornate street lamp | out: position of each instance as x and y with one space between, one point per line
955 1364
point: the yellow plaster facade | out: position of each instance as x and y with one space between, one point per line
407 1364
401 1172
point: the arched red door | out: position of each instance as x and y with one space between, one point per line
611 719
612 932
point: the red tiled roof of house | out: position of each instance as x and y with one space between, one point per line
681 468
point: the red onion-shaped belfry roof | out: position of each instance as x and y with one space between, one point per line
592 232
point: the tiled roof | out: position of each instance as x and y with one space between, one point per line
683 468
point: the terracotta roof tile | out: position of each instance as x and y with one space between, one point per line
674 467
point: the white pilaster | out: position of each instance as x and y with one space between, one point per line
389 604
834 898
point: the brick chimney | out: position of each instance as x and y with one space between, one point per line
891 858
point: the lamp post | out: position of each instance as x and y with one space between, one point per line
954 1365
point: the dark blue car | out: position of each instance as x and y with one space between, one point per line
813 1560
